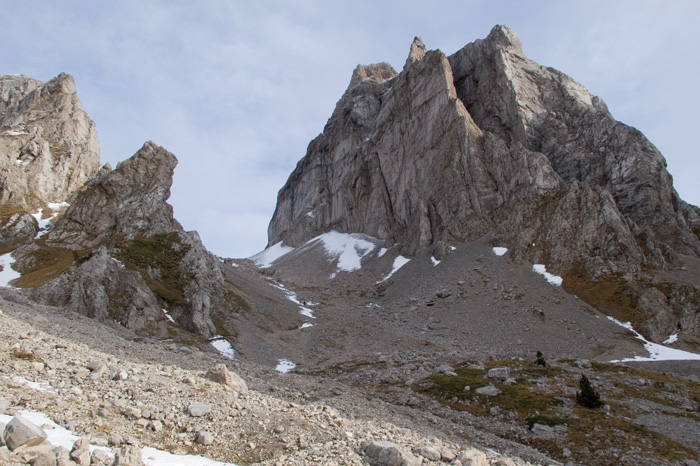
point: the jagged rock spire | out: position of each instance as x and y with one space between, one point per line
417 51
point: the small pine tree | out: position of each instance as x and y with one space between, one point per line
588 397
540 359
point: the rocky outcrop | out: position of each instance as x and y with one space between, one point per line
118 254
104 289
548 112
487 142
48 144
18 229
121 205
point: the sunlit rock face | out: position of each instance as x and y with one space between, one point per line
488 142
48 144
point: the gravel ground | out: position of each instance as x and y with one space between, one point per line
143 391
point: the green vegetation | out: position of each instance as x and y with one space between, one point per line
543 395
613 296
44 264
158 259
516 397
588 397
540 359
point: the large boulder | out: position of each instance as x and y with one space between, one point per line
20 432
383 453
129 455
222 375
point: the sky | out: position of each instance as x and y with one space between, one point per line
237 89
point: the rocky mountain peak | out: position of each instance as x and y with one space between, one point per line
417 51
376 73
14 88
487 142
48 144
117 253
504 37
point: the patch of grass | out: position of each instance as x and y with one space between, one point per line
516 397
594 430
158 259
613 296
588 431
238 301
9 209
47 263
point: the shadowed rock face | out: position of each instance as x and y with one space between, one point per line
487 142
48 144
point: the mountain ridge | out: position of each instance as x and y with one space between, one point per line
488 142
452 221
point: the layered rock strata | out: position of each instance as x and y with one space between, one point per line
48 144
487 142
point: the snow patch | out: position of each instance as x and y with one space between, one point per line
168 316
399 262
656 352
671 339
500 251
44 223
56 435
153 457
61 437
434 261
264 259
348 249
284 366
542 270
8 273
223 346
306 325
292 296
38 386
381 252
121 264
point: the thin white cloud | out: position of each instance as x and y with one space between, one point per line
236 90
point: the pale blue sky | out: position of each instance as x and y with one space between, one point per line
237 89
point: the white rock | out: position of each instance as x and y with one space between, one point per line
488 390
428 452
198 409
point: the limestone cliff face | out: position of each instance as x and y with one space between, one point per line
48 144
488 142
550 113
124 256
123 204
